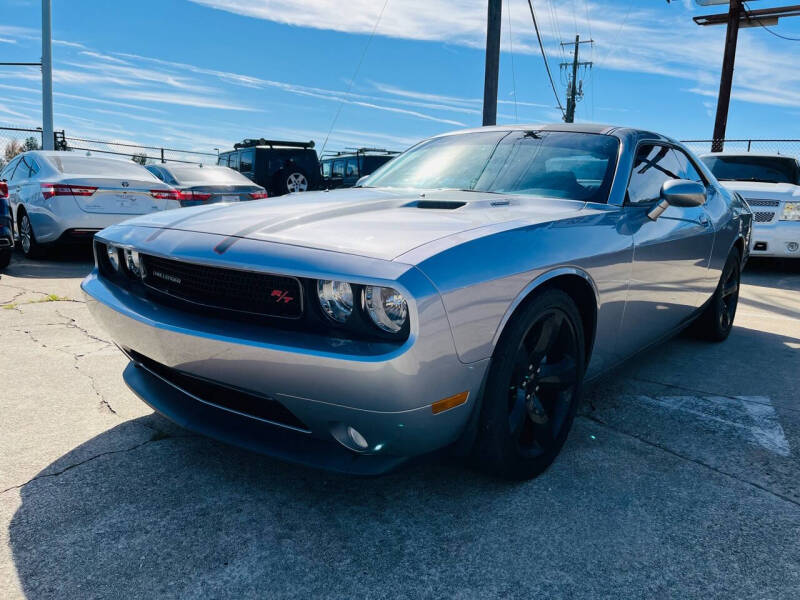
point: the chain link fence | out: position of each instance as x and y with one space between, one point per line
779 146
14 140
139 153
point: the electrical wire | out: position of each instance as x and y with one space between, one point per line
353 79
511 51
775 33
544 56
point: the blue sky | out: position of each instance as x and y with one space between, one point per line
200 74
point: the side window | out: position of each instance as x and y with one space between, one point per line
222 160
233 160
9 170
34 167
687 169
326 168
156 171
21 172
338 168
351 169
652 166
246 161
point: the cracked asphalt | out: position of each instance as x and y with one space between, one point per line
680 479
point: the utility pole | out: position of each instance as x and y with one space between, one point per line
574 91
736 17
48 139
493 22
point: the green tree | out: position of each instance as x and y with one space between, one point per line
140 158
31 144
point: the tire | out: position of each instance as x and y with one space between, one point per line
27 238
5 257
533 388
716 321
294 180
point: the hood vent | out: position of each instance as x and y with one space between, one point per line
437 204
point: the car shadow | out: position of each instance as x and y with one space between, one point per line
59 263
179 515
773 273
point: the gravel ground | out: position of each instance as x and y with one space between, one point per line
680 479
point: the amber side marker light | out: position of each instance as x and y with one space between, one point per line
448 403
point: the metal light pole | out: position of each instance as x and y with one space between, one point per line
47 77
493 22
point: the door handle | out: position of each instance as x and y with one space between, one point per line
704 221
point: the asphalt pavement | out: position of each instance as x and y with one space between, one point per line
680 479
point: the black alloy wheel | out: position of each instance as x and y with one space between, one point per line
533 389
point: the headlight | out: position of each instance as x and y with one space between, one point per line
336 299
133 263
113 256
791 211
386 307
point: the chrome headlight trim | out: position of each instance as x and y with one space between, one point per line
335 299
386 307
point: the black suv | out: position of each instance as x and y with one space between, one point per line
279 167
344 169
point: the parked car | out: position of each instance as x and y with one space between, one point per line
65 197
6 228
279 167
770 184
207 185
459 301
344 169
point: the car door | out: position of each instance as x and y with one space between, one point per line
669 273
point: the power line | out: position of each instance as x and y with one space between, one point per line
544 57
775 33
352 80
511 51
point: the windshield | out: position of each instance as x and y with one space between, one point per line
208 176
93 166
555 164
767 169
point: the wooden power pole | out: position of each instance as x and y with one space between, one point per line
736 17
573 90
492 62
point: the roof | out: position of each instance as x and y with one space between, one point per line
574 127
744 153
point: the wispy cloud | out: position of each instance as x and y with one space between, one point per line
185 100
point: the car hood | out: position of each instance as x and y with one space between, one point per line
758 189
376 223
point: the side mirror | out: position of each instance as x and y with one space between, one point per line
361 180
679 192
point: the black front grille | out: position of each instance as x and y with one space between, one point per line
763 217
222 396
228 289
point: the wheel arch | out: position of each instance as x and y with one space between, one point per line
576 283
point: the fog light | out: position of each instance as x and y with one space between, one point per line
357 438
792 246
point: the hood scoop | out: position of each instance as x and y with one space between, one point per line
435 204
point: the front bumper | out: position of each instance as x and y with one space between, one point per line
384 393
780 240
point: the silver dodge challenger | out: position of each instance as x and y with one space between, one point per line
456 300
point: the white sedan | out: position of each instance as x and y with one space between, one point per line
770 184
63 197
